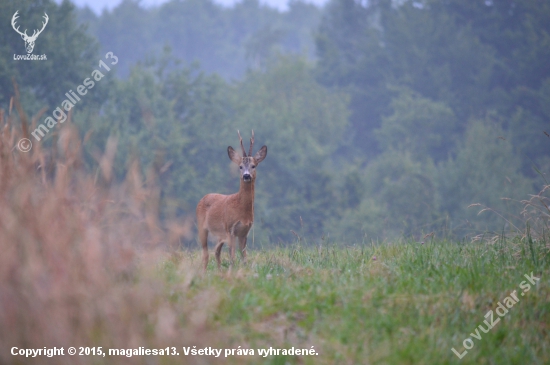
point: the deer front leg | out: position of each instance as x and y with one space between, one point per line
218 253
242 247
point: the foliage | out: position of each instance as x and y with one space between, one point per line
172 122
226 40
399 198
419 74
419 126
183 119
485 171
392 130
71 54
303 125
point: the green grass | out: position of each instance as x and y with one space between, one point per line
402 303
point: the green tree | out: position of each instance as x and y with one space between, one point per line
397 192
175 122
128 31
518 34
303 125
373 48
225 40
350 57
417 72
398 196
71 54
424 128
486 169
180 121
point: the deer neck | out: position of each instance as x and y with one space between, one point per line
246 200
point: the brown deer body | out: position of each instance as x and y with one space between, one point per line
228 217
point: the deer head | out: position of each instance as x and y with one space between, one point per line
247 163
29 41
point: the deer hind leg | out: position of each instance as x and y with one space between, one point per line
218 249
203 240
242 247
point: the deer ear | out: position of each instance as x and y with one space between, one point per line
233 155
260 155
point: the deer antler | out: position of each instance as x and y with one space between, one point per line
35 34
251 144
13 19
242 147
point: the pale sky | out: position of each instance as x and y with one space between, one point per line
99 5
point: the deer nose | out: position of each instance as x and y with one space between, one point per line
246 176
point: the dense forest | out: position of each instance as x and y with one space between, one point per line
382 118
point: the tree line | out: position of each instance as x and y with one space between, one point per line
382 118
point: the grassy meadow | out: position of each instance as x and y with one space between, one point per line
393 303
86 262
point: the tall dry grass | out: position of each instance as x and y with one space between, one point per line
532 220
536 213
79 254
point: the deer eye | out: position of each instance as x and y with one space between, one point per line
241 167
253 166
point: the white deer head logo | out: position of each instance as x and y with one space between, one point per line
29 41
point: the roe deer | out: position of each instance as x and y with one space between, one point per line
228 217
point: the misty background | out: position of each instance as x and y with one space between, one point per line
382 118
